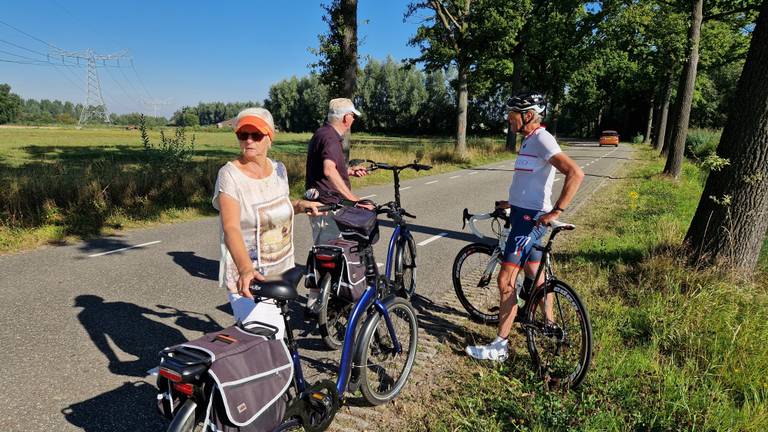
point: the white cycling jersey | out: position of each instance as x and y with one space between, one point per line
534 176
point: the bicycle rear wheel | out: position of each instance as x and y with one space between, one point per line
475 280
384 371
333 316
185 419
405 267
560 345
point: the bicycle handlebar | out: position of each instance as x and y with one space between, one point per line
469 218
383 165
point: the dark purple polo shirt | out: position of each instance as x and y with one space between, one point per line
325 144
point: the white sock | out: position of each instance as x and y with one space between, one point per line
501 340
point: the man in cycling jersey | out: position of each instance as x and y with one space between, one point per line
531 209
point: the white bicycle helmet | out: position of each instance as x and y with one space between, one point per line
526 101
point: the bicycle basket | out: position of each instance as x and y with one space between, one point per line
357 223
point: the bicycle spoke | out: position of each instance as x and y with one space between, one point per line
559 356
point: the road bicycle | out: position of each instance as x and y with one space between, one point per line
376 359
552 316
399 272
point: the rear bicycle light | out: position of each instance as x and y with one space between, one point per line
186 389
171 375
328 265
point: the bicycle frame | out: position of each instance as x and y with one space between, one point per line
368 299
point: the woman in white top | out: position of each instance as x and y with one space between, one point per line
256 213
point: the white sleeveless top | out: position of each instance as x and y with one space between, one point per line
266 221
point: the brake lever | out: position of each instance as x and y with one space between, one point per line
465 217
405 213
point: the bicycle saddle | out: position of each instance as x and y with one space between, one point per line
282 287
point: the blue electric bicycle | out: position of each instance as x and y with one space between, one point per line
377 357
334 274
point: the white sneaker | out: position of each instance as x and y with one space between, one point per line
496 350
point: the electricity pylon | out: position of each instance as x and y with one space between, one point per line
94 100
155 104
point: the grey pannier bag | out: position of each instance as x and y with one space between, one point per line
352 273
251 372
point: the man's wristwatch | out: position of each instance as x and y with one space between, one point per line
560 209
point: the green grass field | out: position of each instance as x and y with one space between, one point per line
64 183
675 348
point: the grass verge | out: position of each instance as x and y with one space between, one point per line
65 184
675 349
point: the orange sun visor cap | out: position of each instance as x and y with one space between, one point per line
257 122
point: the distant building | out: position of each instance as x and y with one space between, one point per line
226 123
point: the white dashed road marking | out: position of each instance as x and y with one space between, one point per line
431 239
124 249
473 173
431 182
368 196
453 177
405 188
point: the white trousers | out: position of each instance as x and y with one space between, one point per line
245 310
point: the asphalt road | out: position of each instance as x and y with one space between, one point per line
81 325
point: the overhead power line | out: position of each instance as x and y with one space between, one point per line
62 61
29 35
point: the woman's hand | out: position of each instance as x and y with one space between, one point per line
244 282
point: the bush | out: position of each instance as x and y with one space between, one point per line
701 142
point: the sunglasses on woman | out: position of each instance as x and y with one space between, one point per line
255 136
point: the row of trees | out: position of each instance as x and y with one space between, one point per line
209 113
394 98
612 62
14 109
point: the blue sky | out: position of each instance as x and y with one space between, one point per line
184 52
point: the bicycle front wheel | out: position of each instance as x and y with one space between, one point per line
405 267
384 371
475 280
559 335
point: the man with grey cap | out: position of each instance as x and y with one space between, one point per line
327 170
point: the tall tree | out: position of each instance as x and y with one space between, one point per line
337 63
685 93
10 104
717 9
732 217
475 36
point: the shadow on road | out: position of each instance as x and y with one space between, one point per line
103 244
128 327
196 266
130 407
446 331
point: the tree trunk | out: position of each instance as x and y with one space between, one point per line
461 117
647 137
516 85
349 46
349 49
511 142
661 131
732 217
552 127
680 128
599 122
